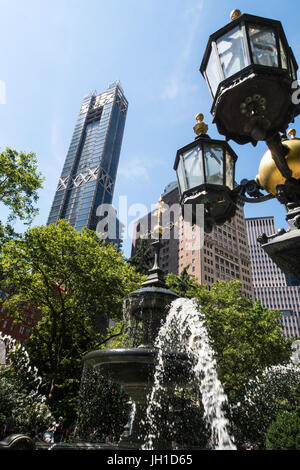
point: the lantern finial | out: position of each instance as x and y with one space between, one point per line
200 128
235 14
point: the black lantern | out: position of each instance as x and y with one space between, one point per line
206 175
250 70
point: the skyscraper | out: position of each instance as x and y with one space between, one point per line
89 173
275 289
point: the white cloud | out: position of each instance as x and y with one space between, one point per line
133 170
138 167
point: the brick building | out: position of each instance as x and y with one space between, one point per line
19 331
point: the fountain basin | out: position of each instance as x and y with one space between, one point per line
134 368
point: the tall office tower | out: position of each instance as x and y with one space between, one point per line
275 290
223 256
89 173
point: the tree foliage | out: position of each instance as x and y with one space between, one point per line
245 336
183 284
19 185
266 396
284 432
77 283
141 260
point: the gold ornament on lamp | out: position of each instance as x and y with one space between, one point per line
235 14
200 128
269 176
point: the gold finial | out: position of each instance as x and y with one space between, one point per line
235 14
200 128
292 133
159 228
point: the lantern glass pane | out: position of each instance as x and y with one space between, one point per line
229 174
213 163
284 62
263 45
212 73
293 70
232 53
180 177
192 166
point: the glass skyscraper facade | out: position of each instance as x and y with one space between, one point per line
89 173
275 289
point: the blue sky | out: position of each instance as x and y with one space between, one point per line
54 52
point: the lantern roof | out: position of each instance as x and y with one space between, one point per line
243 19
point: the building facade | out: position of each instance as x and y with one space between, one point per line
20 331
223 254
89 173
275 289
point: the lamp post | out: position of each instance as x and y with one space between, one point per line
246 64
251 73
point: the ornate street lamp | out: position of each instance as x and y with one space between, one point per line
250 70
205 171
248 63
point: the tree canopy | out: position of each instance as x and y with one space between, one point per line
284 432
141 260
77 282
19 185
245 336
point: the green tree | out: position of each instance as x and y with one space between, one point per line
77 282
266 396
19 184
245 336
284 432
183 284
141 260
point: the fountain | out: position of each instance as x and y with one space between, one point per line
146 366
144 312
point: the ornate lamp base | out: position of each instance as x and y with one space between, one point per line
219 204
284 246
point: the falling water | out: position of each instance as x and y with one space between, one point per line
23 361
131 417
185 327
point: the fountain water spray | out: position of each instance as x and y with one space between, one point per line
23 361
185 326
